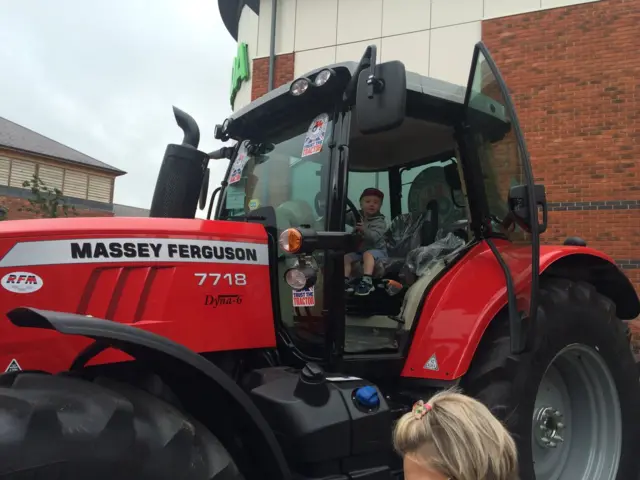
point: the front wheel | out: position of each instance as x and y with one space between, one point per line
573 402
64 428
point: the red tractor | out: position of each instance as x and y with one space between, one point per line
231 348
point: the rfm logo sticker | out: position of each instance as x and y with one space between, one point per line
21 282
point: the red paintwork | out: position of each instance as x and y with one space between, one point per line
174 306
463 302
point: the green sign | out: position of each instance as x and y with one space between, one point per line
240 71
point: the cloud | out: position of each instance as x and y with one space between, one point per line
101 77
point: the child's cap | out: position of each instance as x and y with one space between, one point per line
372 192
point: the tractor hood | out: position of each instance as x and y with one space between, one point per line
204 284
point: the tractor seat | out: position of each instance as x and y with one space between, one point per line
406 233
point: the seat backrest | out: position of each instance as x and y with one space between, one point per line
412 230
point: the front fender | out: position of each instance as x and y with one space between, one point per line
460 306
205 390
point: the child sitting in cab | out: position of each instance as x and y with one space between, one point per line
372 246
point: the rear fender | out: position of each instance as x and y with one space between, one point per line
592 266
189 375
468 297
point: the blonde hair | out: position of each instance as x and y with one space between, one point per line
458 437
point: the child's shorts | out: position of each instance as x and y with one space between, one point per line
377 255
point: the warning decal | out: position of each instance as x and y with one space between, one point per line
119 250
304 297
432 363
13 366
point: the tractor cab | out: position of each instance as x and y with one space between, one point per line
304 153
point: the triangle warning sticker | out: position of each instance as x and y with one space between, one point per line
432 363
13 366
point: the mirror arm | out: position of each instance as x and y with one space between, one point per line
224 152
374 84
368 58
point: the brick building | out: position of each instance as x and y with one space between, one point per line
86 183
572 67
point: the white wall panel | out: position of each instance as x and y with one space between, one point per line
504 8
316 24
453 12
563 3
353 51
359 20
285 27
308 60
404 16
412 49
452 50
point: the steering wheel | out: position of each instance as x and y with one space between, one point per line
351 207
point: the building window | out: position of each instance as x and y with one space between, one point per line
52 177
99 189
21 171
75 184
5 168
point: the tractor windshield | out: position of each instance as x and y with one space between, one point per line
287 170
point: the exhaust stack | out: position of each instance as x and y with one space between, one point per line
181 173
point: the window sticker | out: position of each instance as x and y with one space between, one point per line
304 297
235 199
238 167
254 204
315 135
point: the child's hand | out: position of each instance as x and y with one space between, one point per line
359 227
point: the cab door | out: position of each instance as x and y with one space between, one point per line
502 174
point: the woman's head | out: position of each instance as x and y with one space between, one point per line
453 436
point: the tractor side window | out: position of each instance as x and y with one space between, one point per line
497 148
358 181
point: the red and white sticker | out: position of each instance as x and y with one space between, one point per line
315 135
304 298
21 282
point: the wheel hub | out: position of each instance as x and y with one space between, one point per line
577 423
549 427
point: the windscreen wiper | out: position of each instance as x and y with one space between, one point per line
247 218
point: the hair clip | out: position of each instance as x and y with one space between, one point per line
420 409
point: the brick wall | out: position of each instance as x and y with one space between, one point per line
13 204
573 73
260 75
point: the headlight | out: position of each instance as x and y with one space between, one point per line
291 240
300 277
299 87
322 77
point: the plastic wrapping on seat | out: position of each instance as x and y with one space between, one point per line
419 259
405 234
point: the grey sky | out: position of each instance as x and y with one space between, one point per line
101 77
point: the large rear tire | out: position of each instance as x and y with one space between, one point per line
573 402
63 428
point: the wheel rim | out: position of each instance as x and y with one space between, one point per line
577 424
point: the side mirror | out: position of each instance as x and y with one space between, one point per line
204 191
519 207
381 97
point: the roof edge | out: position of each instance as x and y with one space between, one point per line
109 169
